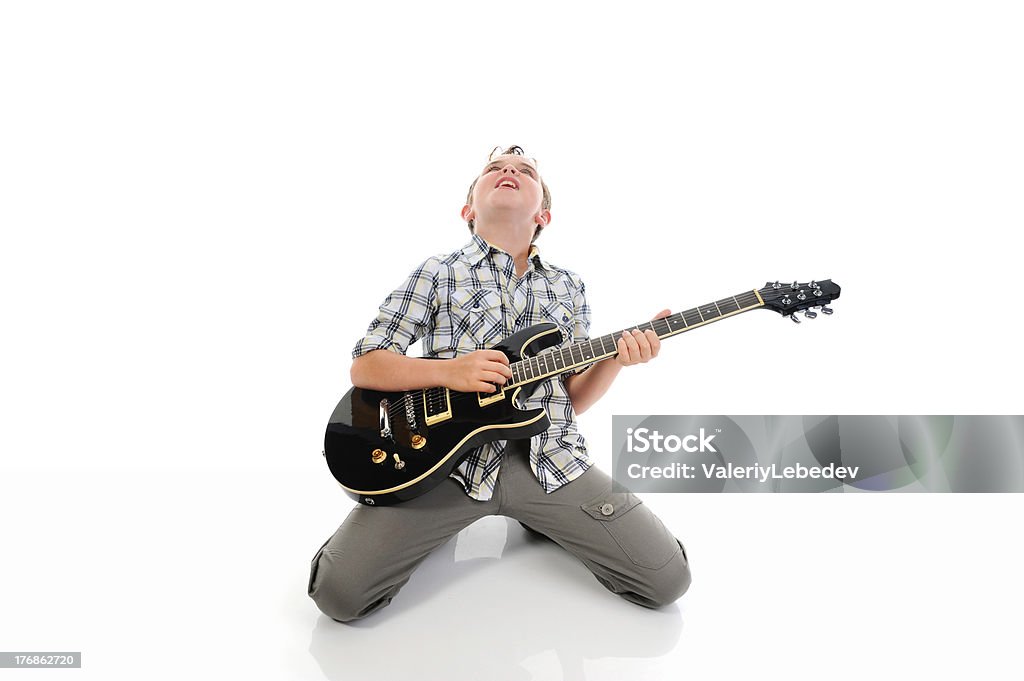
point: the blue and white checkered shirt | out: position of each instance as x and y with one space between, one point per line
471 299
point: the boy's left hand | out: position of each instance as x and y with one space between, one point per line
639 346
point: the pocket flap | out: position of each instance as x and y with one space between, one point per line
476 299
558 312
611 505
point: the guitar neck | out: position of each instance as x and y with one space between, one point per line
560 360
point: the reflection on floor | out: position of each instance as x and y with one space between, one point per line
498 603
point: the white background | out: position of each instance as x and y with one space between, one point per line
202 205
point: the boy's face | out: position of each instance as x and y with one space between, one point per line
508 186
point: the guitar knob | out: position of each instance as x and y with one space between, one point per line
827 310
793 317
378 455
418 441
809 314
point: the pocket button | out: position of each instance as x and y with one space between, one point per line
607 509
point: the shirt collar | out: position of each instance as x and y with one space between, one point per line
478 248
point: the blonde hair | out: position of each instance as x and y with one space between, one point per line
545 202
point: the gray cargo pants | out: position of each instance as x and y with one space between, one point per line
375 551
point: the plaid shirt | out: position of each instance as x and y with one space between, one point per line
471 299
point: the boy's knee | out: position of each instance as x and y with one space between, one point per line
336 594
670 582
666 584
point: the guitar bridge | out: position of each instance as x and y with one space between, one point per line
410 412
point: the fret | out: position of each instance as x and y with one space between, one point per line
678 320
748 299
692 317
726 305
574 355
709 312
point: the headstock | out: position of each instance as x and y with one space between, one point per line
788 299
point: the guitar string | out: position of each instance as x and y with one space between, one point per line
398 407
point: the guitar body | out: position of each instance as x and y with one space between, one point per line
385 447
426 434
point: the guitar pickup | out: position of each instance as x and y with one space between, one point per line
437 405
486 398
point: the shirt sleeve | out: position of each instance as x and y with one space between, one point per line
581 319
581 313
406 315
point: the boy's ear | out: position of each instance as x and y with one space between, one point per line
542 218
467 213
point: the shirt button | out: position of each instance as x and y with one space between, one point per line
607 509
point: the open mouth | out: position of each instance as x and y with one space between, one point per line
507 184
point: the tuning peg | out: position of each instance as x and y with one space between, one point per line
827 310
795 285
813 284
776 285
793 317
809 314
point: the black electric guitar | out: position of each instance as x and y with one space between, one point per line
389 447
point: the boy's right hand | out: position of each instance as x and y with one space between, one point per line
478 371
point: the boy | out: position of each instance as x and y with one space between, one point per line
460 304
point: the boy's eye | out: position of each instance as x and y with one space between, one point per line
528 171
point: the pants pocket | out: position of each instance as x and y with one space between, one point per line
637 531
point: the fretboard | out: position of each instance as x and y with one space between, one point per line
570 357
